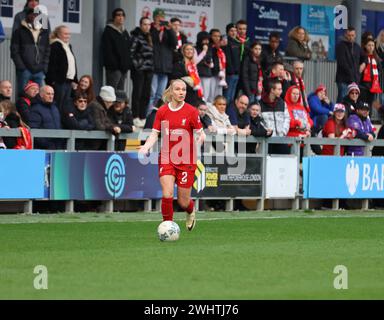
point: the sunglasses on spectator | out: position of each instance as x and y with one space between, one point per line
82 100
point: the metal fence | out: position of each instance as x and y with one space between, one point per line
297 203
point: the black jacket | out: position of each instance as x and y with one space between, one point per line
23 107
58 65
141 51
124 121
163 50
13 121
348 57
203 67
249 76
232 53
268 58
116 47
177 54
28 55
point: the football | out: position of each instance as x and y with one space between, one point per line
168 231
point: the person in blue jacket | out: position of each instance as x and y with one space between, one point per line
321 107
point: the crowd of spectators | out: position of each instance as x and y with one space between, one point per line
240 87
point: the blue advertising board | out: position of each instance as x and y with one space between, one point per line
265 17
318 21
343 178
22 174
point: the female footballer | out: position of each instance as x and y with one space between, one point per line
177 122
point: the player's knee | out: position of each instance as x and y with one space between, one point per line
183 203
168 194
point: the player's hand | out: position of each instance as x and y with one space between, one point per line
143 151
370 138
201 138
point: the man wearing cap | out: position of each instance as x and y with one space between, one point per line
361 124
164 43
99 109
20 16
23 104
115 46
321 107
121 116
30 51
5 90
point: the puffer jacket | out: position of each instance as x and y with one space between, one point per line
142 51
276 116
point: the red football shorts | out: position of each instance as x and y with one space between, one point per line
184 178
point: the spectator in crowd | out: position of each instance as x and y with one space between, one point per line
186 70
30 51
181 39
205 65
142 70
298 80
220 120
301 123
380 46
164 44
352 99
270 53
2 33
86 86
242 38
20 16
44 114
276 115
218 81
321 107
232 53
9 118
284 77
297 45
349 66
62 68
252 76
204 118
361 124
367 35
121 116
239 117
257 126
25 101
77 116
6 90
115 45
370 78
336 127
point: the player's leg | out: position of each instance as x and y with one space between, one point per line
184 180
167 183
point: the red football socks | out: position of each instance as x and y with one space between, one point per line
167 209
190 207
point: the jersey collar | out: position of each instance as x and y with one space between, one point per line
175 110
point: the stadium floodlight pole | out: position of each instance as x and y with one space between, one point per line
355 11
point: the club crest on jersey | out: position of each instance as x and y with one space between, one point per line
184 122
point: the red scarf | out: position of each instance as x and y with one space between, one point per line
371 74
300 84
222 59
194 74
260 83
179 42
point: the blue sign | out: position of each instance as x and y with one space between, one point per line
318 21
343 178
368 21
22 174
265 17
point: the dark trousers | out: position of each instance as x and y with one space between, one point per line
63 93
141 92
116 79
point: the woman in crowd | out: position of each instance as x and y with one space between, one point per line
251 75
301 122
86 86
186 70
380 46
297 45
370 77
62 69
352 99
336 127
220 120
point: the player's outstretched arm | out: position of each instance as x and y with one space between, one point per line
144 150
200 137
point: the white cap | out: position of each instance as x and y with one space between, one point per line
107 93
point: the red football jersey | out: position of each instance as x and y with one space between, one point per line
177 128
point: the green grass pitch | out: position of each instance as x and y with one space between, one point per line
229 256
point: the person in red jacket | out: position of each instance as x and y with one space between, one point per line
301 122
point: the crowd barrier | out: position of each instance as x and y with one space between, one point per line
111 176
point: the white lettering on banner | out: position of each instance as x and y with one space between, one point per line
313 13
341 19
374 181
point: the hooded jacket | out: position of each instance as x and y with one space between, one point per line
116 45
300 119
142 51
